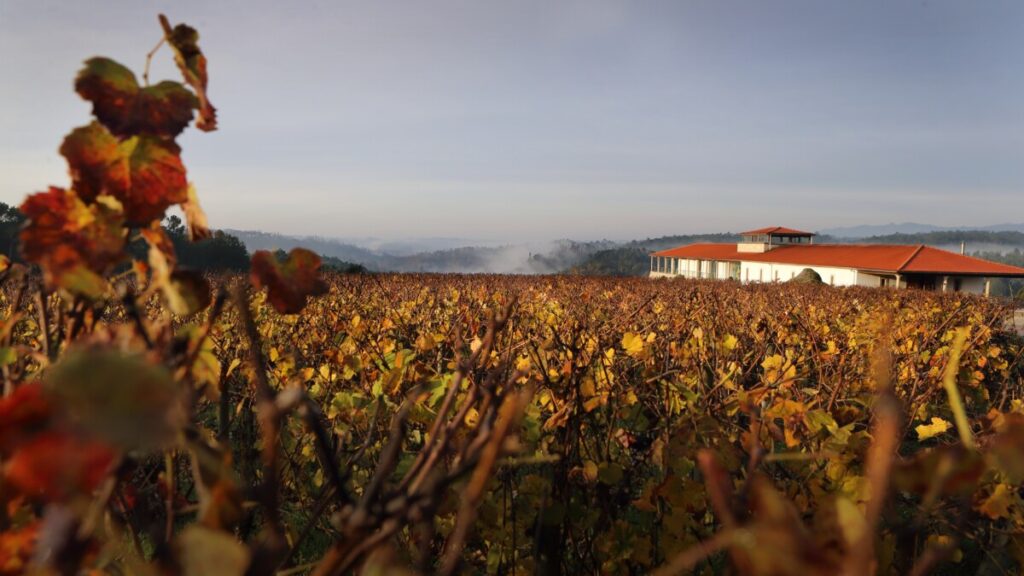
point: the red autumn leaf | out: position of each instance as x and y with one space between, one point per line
184 40
23 413
157 179
56 465
144 173
288 283
162 110
75 244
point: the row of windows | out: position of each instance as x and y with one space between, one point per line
773 239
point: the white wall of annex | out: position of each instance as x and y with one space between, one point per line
771 272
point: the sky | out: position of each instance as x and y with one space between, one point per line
535 120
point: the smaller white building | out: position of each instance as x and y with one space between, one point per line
778 254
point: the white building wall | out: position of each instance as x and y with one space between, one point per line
970 284
771 272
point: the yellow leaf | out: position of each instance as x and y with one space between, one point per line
997 505
523 364
943 541
729 342
938 426
593 403
632 344
587 388
590 471
773 362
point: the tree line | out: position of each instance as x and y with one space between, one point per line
221 252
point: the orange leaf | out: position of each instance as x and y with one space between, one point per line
16 547
76 244
57 465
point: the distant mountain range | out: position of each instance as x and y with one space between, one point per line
532 258
600 257
868 230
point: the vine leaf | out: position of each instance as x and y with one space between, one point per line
184 41
185 291
17 546
120 397
195 218
157 178
75 244
205 550
23 413
144 173
95 162
162 110
55 465
288 283
937 426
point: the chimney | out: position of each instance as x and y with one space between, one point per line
963 247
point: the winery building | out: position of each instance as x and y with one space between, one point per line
778 254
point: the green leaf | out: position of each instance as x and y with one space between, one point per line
123 398
610 473
8 356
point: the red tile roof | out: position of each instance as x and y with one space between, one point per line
780 230
890 258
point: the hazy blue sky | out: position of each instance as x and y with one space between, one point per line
535 120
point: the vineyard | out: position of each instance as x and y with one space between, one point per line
542 423
155 420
